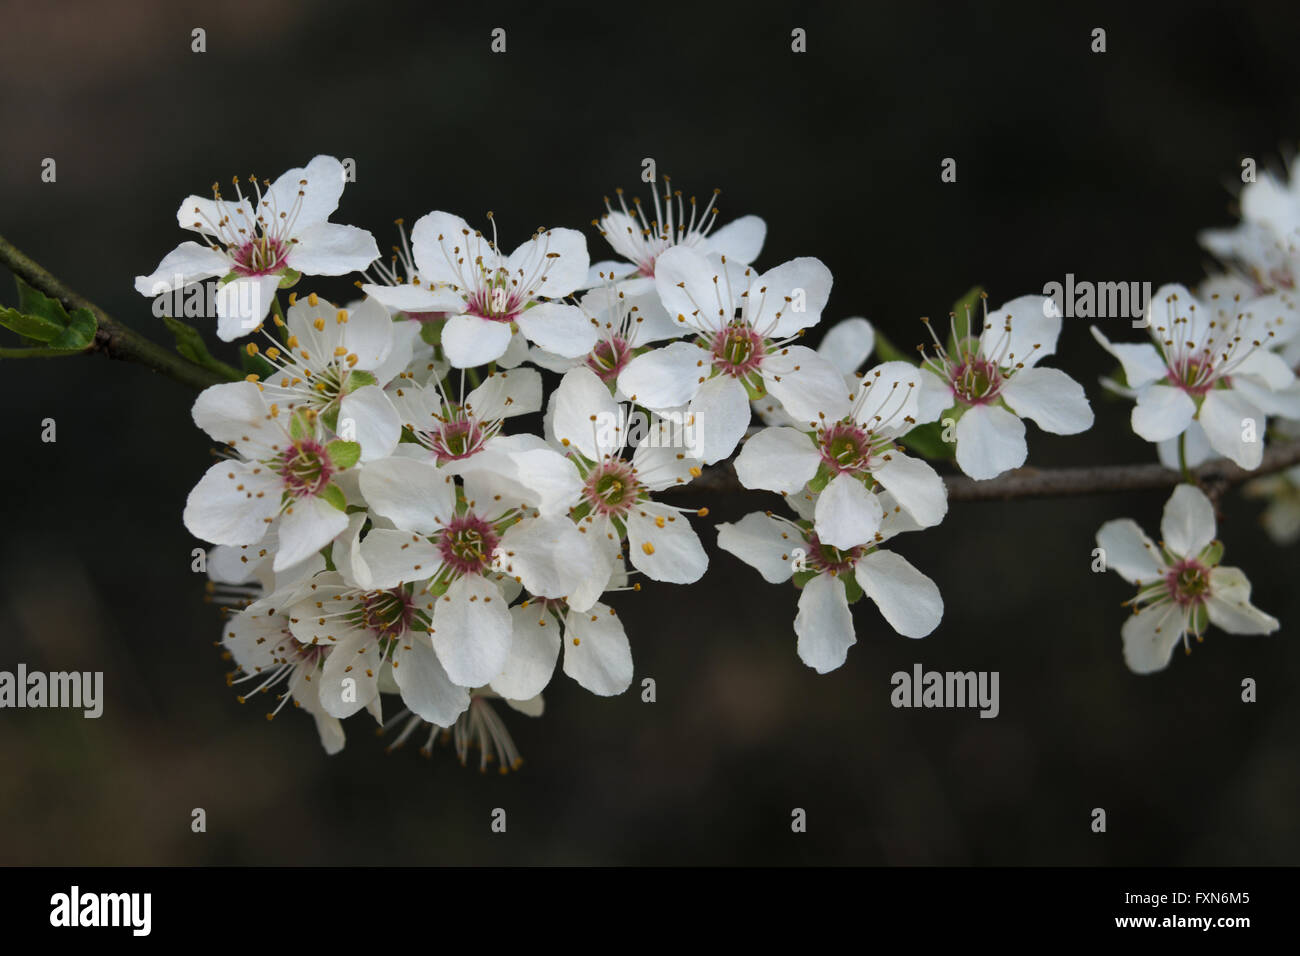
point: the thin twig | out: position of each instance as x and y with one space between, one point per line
113 339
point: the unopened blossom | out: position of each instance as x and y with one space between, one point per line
993 380
831 578
283 467
257 240
1182 589
852 459
1209 365
640 236
493 300
741 326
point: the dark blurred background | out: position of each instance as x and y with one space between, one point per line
1068 161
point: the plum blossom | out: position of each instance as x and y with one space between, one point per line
493 300
258 241
1182 589
993 381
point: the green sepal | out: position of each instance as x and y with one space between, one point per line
357 379
852 589
886 351
335 496
964 319
300 426
755 390
289 278
820 480
343 454
1212 554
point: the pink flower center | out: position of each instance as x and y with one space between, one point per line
823 559
467 543
1188 582
260 257
386 614
1193 376
495 303
609 357
737 350
305 469
845 448
611 488
976 381
455 439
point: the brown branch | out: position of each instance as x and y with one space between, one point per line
1214 476
112 339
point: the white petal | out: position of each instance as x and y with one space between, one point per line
242 304
1230 608
596 651
415 496
415 298
374 424
916 486
847 344
1150 636
1162 412
549 554
741 239
558 257
807 385
469 341
789 297
331 249
990 440
1141 362
778 459
1128 551
824 625
666 377
232 505
663 546
763 543
308 525
1228 418
560 329
355 659
694 289
1187 525
188 263
534 649
440 244
314 190
471 631
395 557
424 683
586 417
1031 324
847 513
1051 398
506 394
907 599
720 414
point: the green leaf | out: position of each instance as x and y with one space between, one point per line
34 327
191 346
927 441
80 332
33 302
335 496
343 454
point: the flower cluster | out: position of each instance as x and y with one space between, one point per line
428 494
